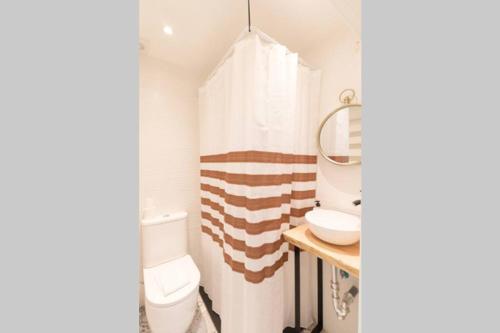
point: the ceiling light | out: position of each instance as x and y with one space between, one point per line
168 30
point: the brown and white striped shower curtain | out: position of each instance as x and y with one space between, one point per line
258 117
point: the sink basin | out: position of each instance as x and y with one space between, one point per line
333 226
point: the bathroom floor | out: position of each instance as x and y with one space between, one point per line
202 323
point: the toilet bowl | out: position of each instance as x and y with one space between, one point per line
172 312
171 278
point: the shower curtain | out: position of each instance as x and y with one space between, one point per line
258 118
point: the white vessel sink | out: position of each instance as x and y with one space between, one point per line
333 226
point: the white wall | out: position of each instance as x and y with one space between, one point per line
339 59
169 143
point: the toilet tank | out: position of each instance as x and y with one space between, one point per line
163 238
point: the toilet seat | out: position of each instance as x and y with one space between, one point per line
163 273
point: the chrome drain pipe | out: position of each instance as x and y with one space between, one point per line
341 306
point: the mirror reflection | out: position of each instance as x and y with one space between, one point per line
340 135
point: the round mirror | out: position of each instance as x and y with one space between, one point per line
339 135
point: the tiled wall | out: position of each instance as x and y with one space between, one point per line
169 143
339 59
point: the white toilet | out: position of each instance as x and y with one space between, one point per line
171 278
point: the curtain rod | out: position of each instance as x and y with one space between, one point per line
243 34
249 23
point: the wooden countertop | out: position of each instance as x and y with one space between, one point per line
344 257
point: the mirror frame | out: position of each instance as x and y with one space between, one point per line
318 138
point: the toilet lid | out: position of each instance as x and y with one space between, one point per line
170 282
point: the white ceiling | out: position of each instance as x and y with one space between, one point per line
205 29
